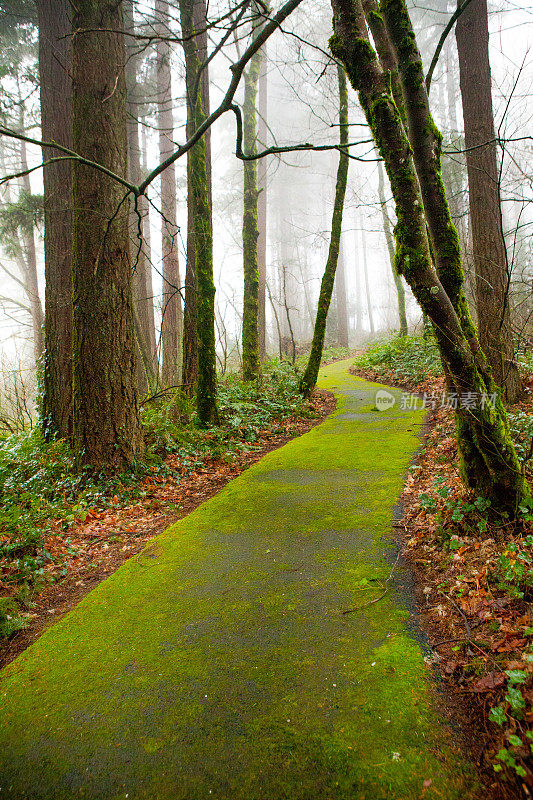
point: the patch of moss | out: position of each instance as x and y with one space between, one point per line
218 664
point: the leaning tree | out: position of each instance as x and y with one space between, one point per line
428 253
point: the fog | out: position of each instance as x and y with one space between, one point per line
302 107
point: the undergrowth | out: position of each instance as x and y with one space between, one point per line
404 358
39 482
479 562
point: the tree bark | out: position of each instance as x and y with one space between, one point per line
147 236
489 464
357 276
342 310
56 125
171 310
262 134
251 364
107 430
190 339
309 378
367 285
199 199
30 258
147 366
488 243
387 229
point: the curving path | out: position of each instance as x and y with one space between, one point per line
217 664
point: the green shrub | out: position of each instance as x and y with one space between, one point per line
525 361
521 426
408 358
10 619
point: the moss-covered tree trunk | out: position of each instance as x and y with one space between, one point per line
387 229
56 123
200 210
488 243
475 443
251 364
107 430
489 464
190 338
309 378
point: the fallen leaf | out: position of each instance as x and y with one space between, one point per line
493 680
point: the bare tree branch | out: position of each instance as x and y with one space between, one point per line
444 35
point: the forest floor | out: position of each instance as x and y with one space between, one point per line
265 646
104 537
474 588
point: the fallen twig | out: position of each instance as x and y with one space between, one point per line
377 599
469 633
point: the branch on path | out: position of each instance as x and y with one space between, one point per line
377 599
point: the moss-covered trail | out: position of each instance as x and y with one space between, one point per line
217 664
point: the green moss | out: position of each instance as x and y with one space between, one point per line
217 663
356 55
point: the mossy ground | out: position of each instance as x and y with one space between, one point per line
218 663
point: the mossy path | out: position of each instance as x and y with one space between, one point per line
217 664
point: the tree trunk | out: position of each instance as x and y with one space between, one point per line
489 464
171 309
107 430
251 365
56 124
488 243
262 203
357 276
30 257
199 183
367 285
147 234
309 378
147 367
190 338
342 311
387 229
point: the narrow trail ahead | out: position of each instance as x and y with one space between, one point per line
217 664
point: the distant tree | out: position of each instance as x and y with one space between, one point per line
29 250
18 220
387 229
368 295
147 362
309 378
492 278
341 296
18 63
107 430
171 308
